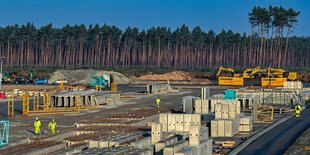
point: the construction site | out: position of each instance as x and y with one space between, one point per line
99 112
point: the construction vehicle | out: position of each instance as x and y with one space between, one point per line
6 77
98 80
235 80
229 70
281 73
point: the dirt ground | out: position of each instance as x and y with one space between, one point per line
22 128
8 88
302 141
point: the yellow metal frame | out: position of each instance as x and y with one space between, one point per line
36 104
266 113
98 87
46 100
77 102
26 104
11 106
113 86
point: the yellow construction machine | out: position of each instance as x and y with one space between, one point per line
277 77
235 80
281 73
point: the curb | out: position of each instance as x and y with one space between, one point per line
247 142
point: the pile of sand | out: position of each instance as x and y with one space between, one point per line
82 76
173 76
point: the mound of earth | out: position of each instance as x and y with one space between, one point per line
82 76
173 76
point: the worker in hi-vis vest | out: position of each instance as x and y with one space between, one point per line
298 109
158 101
52 126
37 125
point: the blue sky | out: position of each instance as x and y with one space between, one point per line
208 14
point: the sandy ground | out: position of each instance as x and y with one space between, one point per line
302 141
22 128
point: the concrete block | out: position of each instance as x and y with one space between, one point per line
218 111
159 147
205 147
205 93
204 133
190 150
225 110
171 122
196 119
157 134
188 104
168 150
245 120
141 143
229 128
243 127
187 121
93 144
179 145
103 144
179 124
232 111
221 128
214 128
197 106
205 106
194 135
163 119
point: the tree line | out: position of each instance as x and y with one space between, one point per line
95 46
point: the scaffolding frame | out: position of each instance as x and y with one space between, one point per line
26 104
266 113
98 87
11 106
36 104
46 100
77 102
4 134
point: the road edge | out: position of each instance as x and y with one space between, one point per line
254 137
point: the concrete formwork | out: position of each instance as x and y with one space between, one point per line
88 98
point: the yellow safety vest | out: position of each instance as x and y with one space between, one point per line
298 108
52 125
157 100
37 123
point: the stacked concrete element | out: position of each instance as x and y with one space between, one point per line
205 148
205 93
236 102
153 88
227 111
192 136
293 85
195 105
178 122
88 98
245 123
157 133
224 127
226 122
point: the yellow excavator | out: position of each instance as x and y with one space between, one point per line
229 70
281 73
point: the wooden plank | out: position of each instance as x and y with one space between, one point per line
225 142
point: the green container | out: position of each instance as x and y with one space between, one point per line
230 95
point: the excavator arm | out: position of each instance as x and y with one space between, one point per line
225 69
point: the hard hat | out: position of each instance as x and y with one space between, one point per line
37 118
53 120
